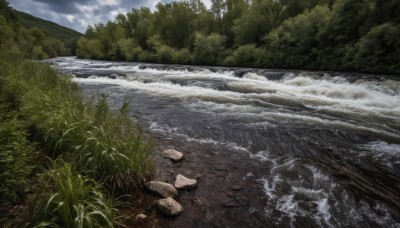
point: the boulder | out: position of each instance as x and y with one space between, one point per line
183 182
169 206
171 154
163 189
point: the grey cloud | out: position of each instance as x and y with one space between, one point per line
78 14
63 6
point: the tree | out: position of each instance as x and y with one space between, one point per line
174 23
234 10
298 42
379 50
263 16
141 25
218 8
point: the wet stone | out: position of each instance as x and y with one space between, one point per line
183 182
161 188
171 154
237 187
140 217
169 206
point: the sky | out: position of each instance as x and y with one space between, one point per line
78 14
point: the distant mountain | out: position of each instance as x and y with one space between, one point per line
51 29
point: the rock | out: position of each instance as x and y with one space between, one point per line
169 206
236 187
141 217
163 189
183 182
171 154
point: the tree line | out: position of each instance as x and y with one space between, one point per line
356 35
18 41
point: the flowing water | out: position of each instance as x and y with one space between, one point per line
329 143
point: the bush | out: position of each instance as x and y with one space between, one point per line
165 54
38 53
207 49
182 56
247 55
147 56
76 202
130 49
90 49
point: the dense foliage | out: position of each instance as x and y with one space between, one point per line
28 42
360 35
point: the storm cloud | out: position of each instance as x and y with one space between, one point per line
78 14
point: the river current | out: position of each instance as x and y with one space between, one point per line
329 143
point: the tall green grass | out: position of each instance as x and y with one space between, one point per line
103 143
16 152
77 201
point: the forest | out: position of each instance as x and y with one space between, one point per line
344 35
18 39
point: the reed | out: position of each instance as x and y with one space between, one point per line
77 201
103 143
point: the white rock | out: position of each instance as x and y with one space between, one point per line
183 182
169 206
163 189
174 155
141 217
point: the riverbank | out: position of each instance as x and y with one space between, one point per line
66 158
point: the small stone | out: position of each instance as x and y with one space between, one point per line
183 182
171 154
141 217
169 206
163 189
236 187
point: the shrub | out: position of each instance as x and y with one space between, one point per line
207 49
15 155
182 56
90 49
165 54
77 201
130 49
147 56
247 55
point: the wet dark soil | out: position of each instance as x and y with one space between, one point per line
227 195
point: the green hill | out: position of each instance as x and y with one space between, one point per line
51 29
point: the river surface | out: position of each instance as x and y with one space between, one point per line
326 145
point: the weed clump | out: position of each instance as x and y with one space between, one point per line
77 201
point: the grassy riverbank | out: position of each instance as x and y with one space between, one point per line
94 152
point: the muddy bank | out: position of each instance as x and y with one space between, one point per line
227 194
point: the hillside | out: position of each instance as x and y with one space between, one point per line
51 29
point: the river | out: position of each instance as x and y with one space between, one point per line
323 148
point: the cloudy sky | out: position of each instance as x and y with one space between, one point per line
78 14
